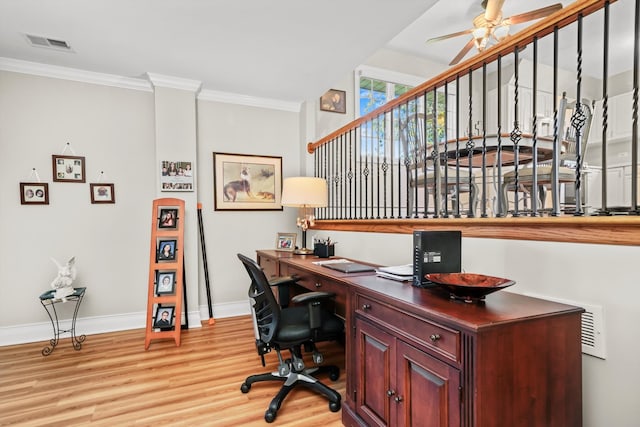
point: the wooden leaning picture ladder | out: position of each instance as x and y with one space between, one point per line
166 272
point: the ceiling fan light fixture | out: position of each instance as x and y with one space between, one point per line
480 38
501 32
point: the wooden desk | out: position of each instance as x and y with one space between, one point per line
415 357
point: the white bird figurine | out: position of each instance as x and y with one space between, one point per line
66 276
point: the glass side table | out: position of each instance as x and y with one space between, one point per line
49 301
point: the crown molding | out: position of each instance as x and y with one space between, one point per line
58 72
251 101
160 80
143 84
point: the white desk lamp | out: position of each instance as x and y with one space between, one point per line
304 193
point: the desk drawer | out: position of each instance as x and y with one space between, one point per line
317 283
270 267
430 334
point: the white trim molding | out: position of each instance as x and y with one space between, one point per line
42 331
64 73
174 82
250 101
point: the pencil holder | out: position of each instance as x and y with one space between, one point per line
323 251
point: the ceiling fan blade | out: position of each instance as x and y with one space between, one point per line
448 36
534 14
493 10
462 53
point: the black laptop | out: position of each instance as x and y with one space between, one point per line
349 267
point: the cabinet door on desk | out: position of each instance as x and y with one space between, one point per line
374 358
428 390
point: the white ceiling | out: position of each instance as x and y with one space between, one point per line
290 50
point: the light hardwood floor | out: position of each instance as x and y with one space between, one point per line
113 381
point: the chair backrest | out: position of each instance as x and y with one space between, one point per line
568 116
266 309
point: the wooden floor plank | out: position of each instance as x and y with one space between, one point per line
112 381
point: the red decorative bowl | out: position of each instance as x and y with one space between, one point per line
468 287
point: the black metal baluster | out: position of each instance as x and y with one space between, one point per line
534 145
470 148
555 196
412 129
483 213
434 140
436 177
392 149
365 171
456 210
635 210
343 203
605 108
379 146
385 168
516 133
503 205
350 174
578 120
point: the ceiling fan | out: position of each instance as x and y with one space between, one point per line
490 27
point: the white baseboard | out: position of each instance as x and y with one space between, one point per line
43 331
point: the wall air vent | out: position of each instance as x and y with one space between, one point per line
46 42
593 342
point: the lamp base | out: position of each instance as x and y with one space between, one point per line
303 251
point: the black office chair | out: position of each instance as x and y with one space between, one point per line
291 328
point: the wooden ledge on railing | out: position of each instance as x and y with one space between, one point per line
611 230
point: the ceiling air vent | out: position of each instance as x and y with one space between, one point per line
39 41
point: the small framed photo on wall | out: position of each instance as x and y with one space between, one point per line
68 168
167 250
34 193
334 101
102 193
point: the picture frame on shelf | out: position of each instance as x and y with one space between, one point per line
165 282
286 241
102 193
34 193
68 168
168 218
164 317
334 101
247 182
167 250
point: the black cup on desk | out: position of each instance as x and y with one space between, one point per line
322 250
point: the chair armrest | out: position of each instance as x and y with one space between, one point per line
284 280
314 303
311 297
283 284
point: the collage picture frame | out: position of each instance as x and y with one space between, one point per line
68 168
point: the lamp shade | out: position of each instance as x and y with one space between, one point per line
304 191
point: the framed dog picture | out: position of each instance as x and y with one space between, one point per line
246 182
102 193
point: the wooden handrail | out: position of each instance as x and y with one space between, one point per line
560 19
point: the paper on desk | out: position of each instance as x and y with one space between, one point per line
398 270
